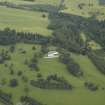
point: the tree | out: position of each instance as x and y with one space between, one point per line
13 82
61 5
11 71
64 57
39 75
33 48
12 48
74 69
26 90
43 15
1 59
25 79
34 63
44 49
3 81
19 73
91 86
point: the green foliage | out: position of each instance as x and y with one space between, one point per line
67 29
52 82
5 98
13 82
30 101
8 36
98 61
91 86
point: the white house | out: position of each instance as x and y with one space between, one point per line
52 54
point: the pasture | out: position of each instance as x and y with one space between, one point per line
25 21
35 22
78 96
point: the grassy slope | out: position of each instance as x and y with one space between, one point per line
72 7
33 22
24 20
80 95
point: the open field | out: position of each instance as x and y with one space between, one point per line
78 96
26 21
29 21
72 6
35 22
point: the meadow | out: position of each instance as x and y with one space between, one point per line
33 21
78 96
26 21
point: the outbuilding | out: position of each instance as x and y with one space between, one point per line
52 54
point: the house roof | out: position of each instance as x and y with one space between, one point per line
52 52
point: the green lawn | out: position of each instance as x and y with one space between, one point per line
78 96
72 7
29 21
26 21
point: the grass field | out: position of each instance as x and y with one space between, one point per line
32 21
78 96
26 21
72 7
29 21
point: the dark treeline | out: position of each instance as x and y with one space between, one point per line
11 5
51 82
67 30
32 7
33 65
26 100
42 8
5 98
72 67
96 31
98 61
102 2
91 86
67 27
4 56
8 36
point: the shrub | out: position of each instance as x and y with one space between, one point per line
13 82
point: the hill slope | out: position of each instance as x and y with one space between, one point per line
75 29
